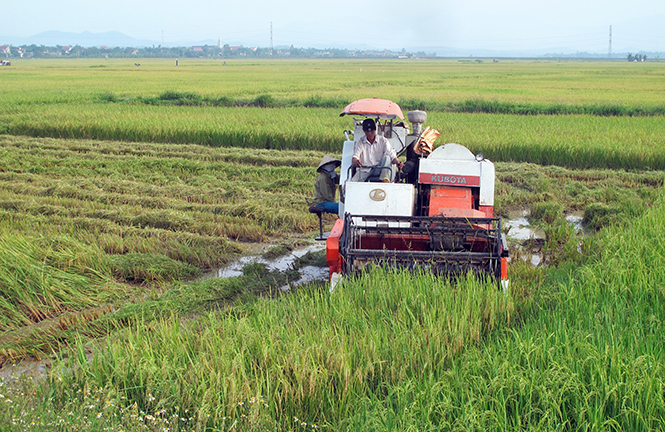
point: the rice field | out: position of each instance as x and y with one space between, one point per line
39 81
112 206
578 141
295 105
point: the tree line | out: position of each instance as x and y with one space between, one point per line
206 51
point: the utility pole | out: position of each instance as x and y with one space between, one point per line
609 50
270 37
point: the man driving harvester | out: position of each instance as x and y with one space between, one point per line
374 150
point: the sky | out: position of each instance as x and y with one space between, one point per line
581 25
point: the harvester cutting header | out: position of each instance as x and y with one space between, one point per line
436 212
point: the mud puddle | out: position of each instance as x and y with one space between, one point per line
29 368
518 227
520 231
575 219
283 263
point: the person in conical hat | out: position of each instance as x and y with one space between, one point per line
334 163
326 184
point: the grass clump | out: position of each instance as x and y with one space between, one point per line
548 212
171 97
181 98
318 101
277 251
316 259
600 215
551 191
264 101
606 213
502 107
151 267
194 298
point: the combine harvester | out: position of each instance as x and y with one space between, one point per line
438 214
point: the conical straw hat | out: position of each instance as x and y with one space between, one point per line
328 159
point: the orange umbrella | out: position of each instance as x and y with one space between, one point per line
374 107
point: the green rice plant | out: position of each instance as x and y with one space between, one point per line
570 141
88 201
200 205
310 355
192 298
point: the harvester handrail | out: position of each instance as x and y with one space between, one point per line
368 167
391 218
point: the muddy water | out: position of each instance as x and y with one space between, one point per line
522 233
307 273
518 227
29 368
575 219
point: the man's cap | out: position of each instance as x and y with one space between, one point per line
328 159
369 124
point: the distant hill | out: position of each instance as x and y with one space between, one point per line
84 39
